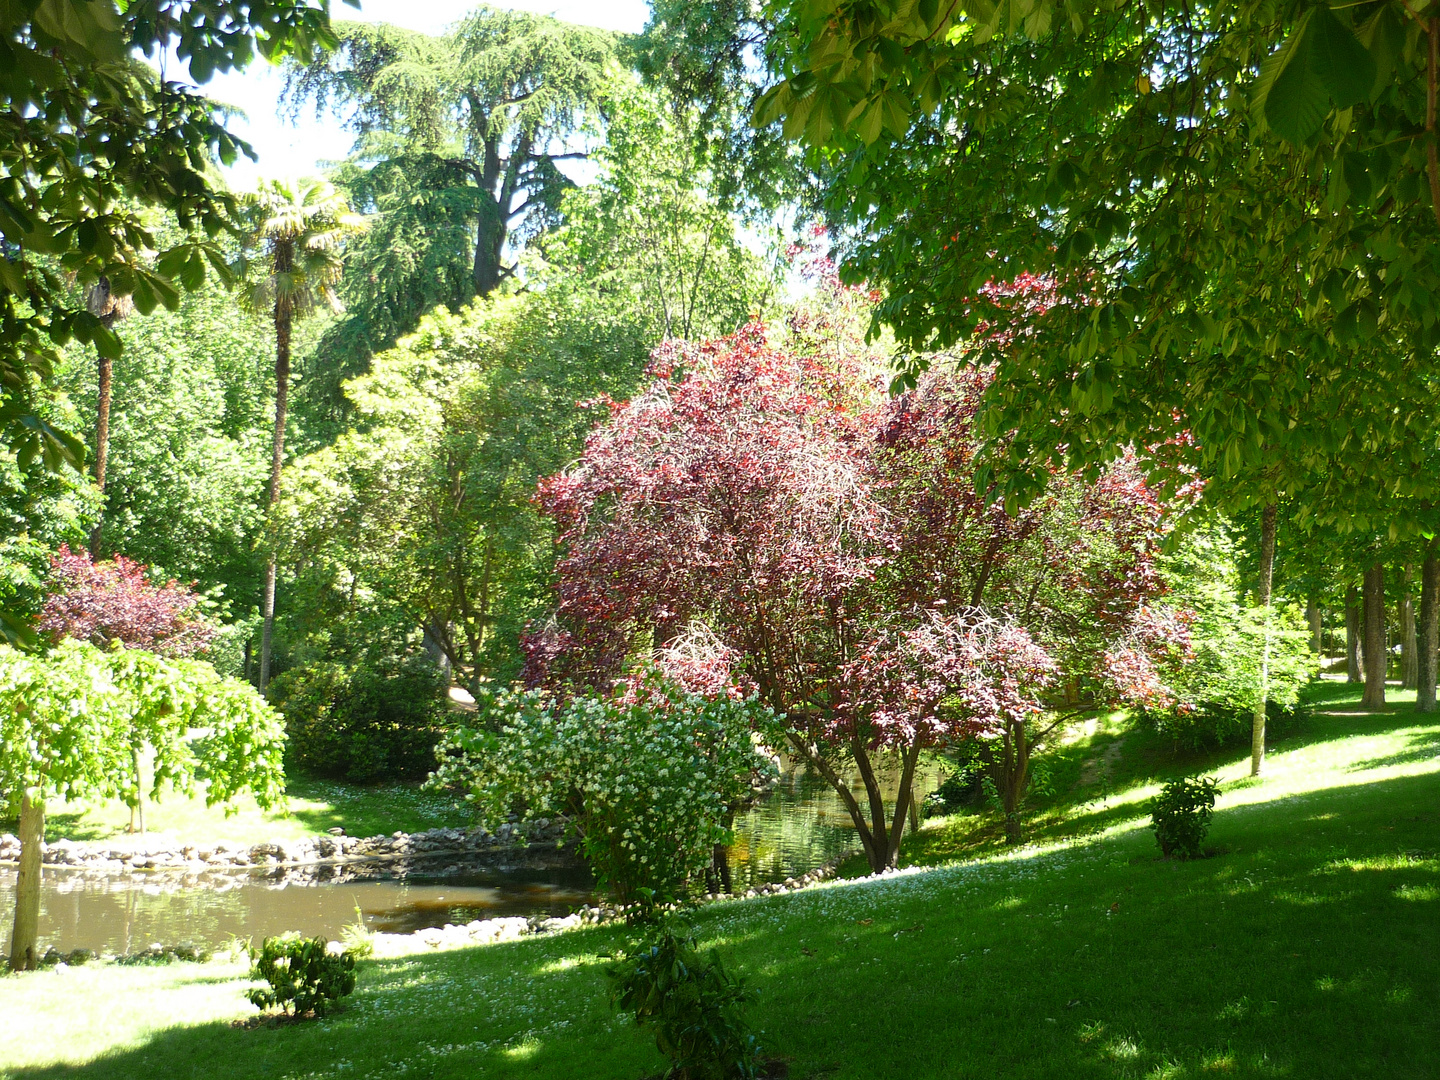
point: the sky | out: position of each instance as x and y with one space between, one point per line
291 150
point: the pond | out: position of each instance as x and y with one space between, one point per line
799 825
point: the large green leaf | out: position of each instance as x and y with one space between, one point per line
1320 65
1340 61
1290 92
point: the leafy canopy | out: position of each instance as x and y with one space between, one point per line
71 718
91 136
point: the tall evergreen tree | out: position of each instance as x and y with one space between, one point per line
458 140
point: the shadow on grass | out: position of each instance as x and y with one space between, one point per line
1421 746
461 1013
1149 758
1306 949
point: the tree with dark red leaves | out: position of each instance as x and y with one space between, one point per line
763 516
116 601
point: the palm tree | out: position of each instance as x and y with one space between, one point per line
109 309
299 229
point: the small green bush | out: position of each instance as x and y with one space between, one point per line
363 723
1180 815
304 976
695 1005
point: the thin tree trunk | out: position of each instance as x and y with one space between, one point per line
24 950
1409 654
1267 574
1016 762
1313 618
1353 652
904 794
1429 632
138 810
277 460
102 449
1375 655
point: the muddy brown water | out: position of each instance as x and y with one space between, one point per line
800 825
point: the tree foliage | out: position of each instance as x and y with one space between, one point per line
91 136
117 602
458 145
747 491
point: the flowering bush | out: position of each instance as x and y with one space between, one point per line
651 775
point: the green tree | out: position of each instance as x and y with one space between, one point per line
299 231
420 514
69 720
458 150
188 453
109 309
650 231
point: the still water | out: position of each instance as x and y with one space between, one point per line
801 824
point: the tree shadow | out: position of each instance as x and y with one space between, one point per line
431 1014
1305 950
1421 746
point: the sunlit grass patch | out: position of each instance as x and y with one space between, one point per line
1300 948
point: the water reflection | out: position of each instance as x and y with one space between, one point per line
800 825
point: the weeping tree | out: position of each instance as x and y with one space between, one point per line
68 722
457 150
296 232
115 603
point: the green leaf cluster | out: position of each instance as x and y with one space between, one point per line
91 136
71 719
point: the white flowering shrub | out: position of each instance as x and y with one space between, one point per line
651 777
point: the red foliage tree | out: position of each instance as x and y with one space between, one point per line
116 601
838 550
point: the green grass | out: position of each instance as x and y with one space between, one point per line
1308 947
313 806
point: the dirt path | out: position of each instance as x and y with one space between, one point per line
1100 766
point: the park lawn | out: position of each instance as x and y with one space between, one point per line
312 807
1306 946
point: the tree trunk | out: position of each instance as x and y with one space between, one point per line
1267 574
138 810
489 242
102 449
1409 655
904 802
277 460
24 952
1353 653
1429 633
1015 761
720 869
1316 624
1375 655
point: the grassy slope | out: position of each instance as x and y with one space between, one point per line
1309 947
313 807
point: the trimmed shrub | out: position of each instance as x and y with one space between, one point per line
304 976
363 723
1180 815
